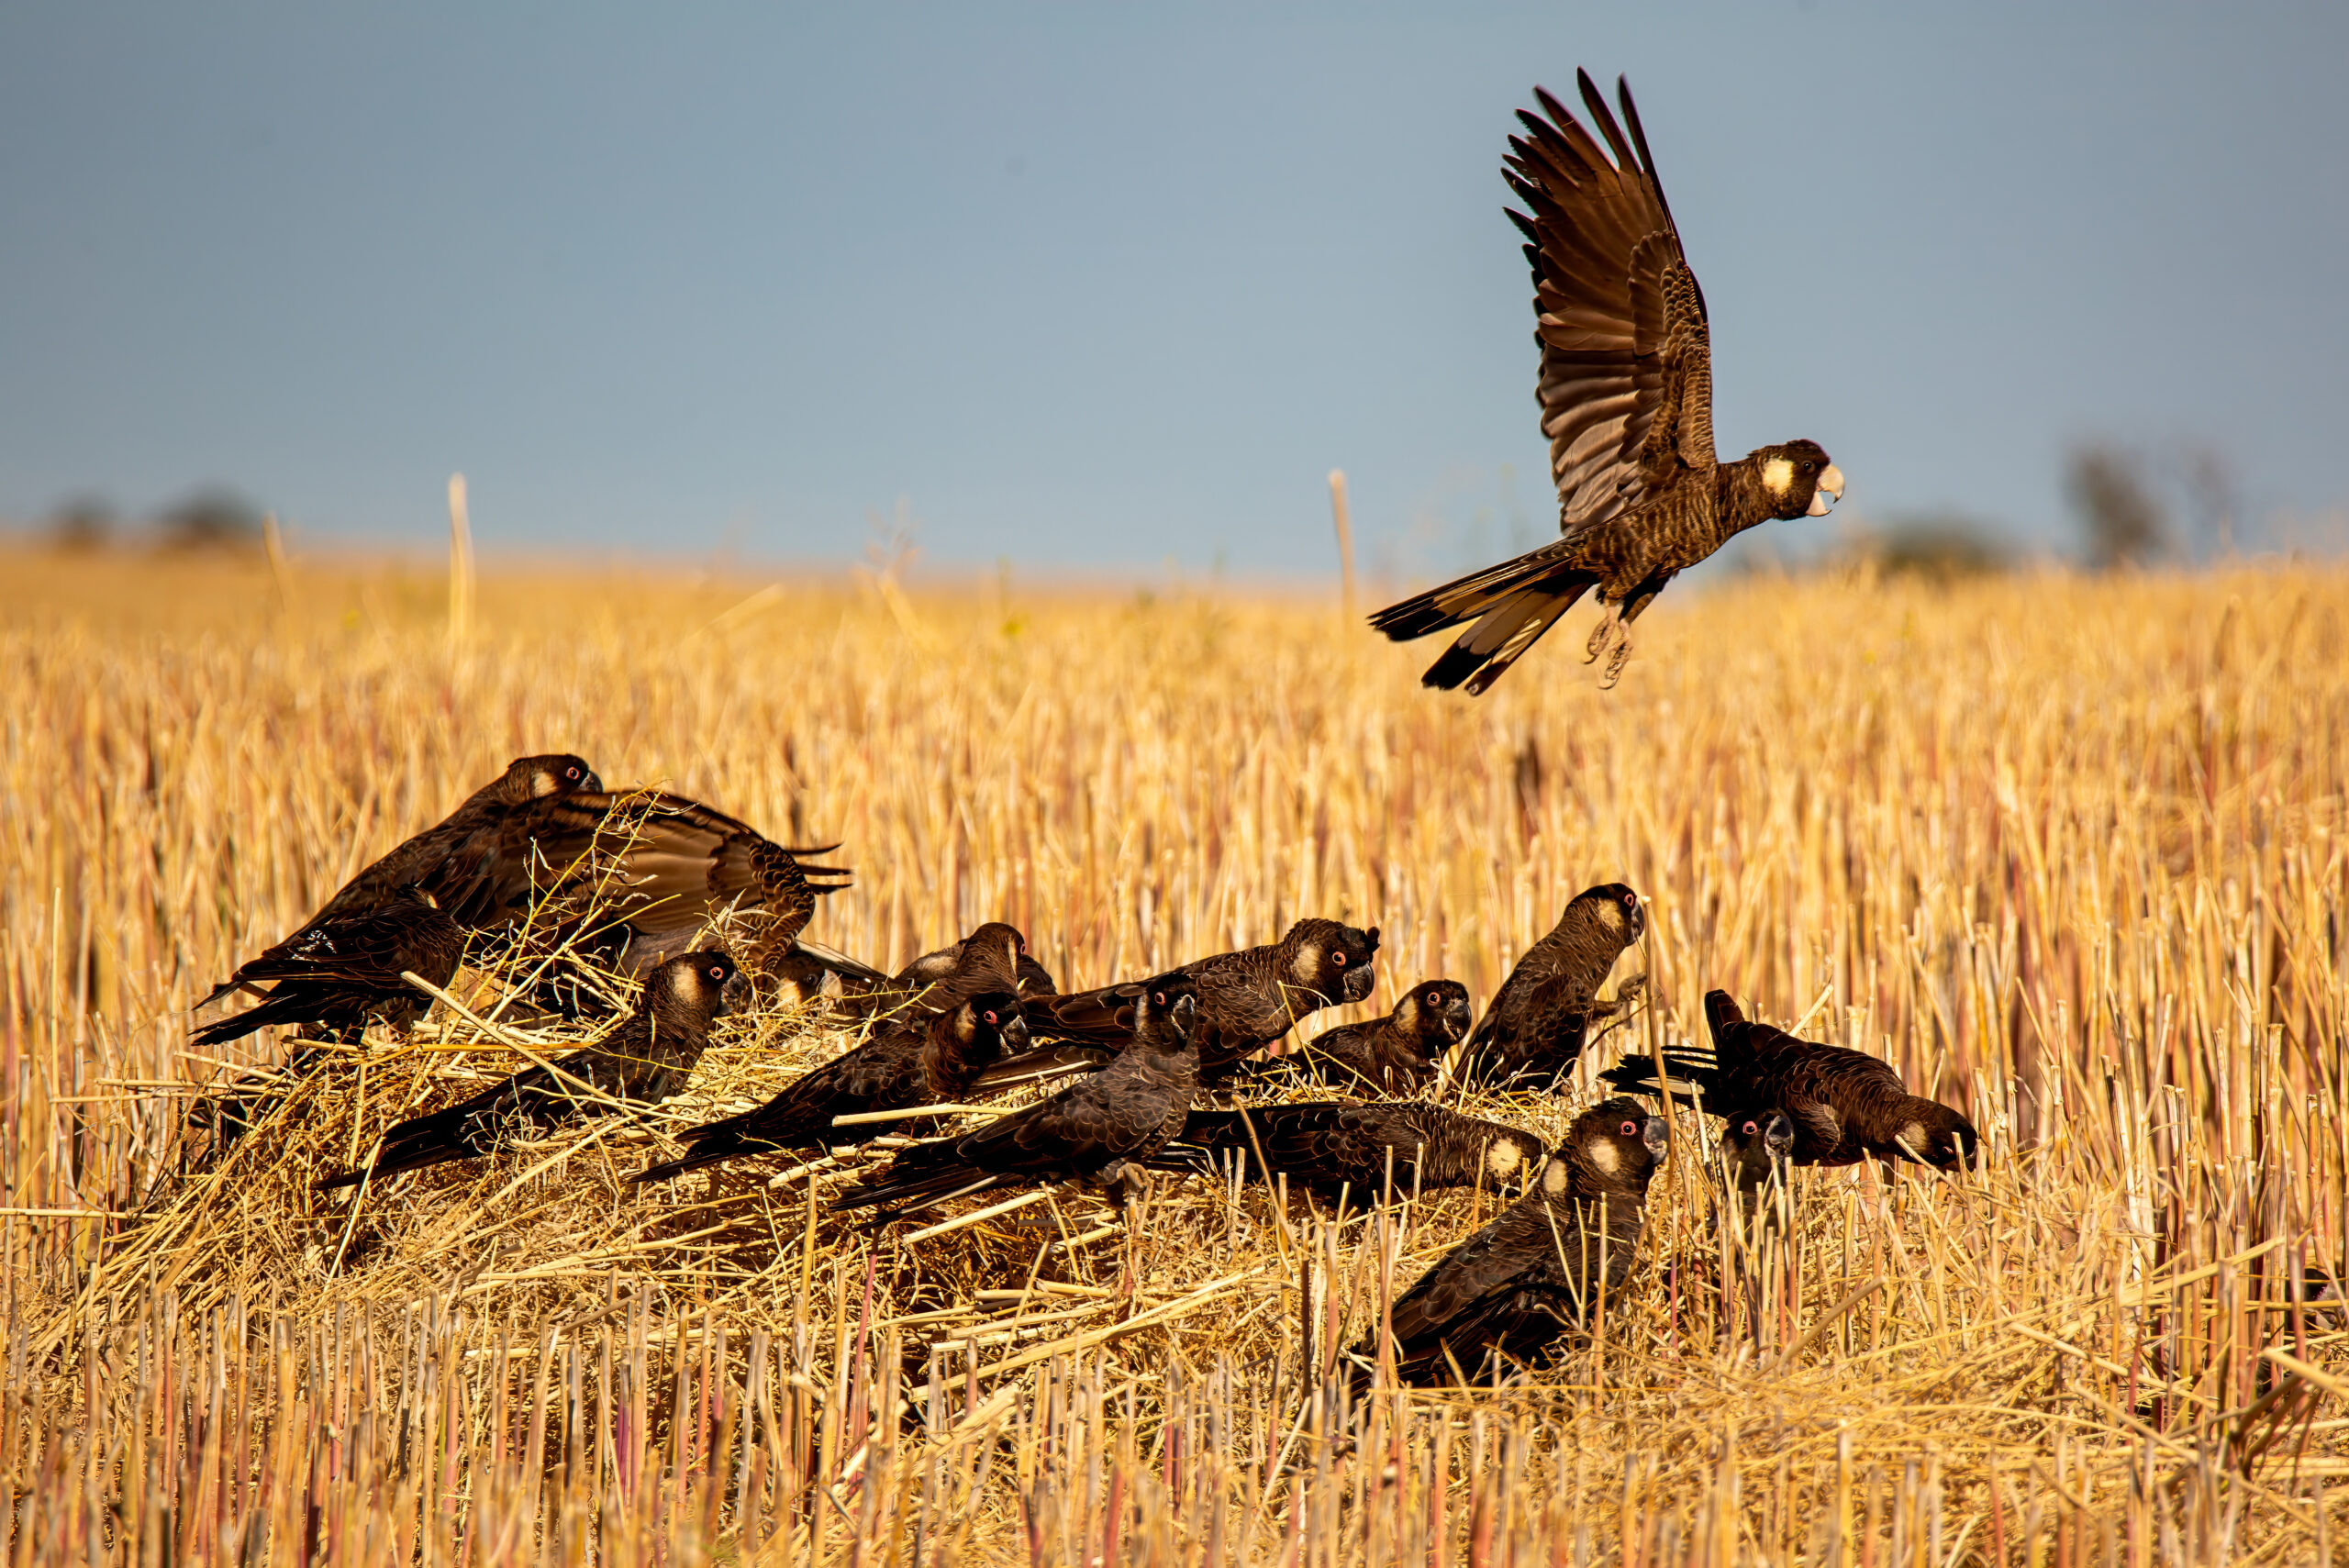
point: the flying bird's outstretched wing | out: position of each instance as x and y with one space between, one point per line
1627 378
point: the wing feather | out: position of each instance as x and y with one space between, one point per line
1626 384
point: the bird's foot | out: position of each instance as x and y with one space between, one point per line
1616 1006
1604 633
1615 665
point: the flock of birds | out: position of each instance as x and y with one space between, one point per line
545 875
586 887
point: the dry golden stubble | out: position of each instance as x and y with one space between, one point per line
2066 851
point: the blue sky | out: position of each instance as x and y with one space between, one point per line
1090 286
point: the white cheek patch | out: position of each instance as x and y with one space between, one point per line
1502 1159
1603 1156
1554 1178
1778 476
1914 1135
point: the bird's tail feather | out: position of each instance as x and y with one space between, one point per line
393 1162
417 1145
1043 1064
1637 1075
1724 1021
273 1009
234 982
704 1152
1465 599
900 1196
837 961
1512 603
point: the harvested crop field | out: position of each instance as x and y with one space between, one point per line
2068 851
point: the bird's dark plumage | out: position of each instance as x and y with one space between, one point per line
1328 1145
992 959
1548 1009
1102 1129
1627 403
647 1059
645 875
1392 1055
1511 1289
1845 1105
476 865
342 971
927 1058
1246 1000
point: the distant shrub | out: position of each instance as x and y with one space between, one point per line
82 526
211 519
1941 547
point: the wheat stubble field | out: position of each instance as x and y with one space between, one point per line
2069 853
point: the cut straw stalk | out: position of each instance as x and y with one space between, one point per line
869 1119
947 1228
1155 1316
498 1032
1341 516
461 564
1826 995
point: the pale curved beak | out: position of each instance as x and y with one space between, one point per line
1829 484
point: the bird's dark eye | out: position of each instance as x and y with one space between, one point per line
1338 959
571 773
1434 998
717 972
988 1017
1631 1129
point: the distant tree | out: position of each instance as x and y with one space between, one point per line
82 526
2125 522
2212 503
211 519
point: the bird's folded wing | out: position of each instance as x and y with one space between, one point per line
1104 1016
1447 1295
673 862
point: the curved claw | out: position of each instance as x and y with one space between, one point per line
1604 633
1615 664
